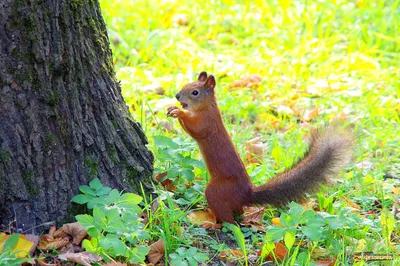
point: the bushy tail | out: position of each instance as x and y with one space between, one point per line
330 150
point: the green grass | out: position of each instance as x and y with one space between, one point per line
342 57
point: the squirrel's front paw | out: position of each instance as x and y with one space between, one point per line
173 111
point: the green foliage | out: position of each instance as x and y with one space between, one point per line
319 228
339 57
239 237
114 226
187 256
174 157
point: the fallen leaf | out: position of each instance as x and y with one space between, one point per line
266 120
250 81
49 243
326 262
144 217
396 190
308 205
212 226
252 215
276 221
310 115
254 151
84 258
155 205
258 227
75 230
230 255
284 109
60 233
23 246
279 252
202 217
366 164
32 238
52 230
360 61
305 125
45 240
117 263
167 183
181 19
160 105
43 263
156 251
321 252
351 203
153 88
71 248
165 125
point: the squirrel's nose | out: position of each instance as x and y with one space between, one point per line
177 96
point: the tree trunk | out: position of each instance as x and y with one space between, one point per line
63 120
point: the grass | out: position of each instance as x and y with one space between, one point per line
338 58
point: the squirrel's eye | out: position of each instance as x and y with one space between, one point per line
195 92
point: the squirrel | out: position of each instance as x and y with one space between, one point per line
229 188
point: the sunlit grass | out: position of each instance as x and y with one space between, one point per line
342 57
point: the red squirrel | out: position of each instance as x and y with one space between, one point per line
230 188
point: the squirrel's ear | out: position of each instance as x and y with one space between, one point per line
210 82
202 77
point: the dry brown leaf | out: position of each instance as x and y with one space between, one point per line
153 88
322 252
279 251
305 125
351 203
144 217
156 251
366 165
75 230
48 243
167 183
155 205
117 263
181 19
254 151
310 115
52 230
84 258
308 205
327 262
60 233
43 263
202 217
160 175
253 215
212 226
250 81
341 116
258 227
230 255
165 125
45 240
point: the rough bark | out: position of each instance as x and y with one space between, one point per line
63 120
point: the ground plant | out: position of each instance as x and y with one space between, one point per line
283 68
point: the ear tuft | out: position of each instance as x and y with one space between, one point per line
210 82
202 77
